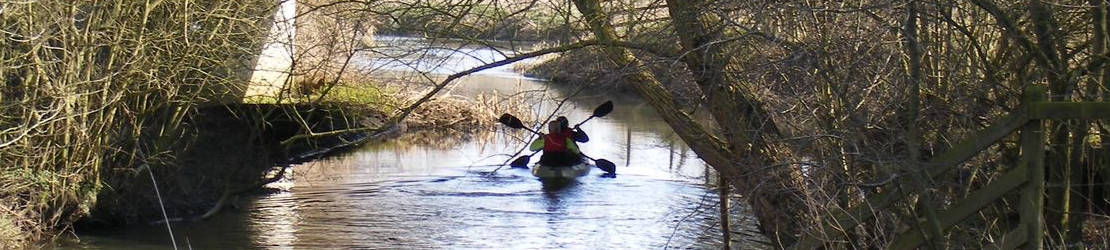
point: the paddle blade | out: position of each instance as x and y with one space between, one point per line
606 165
604 109
521 162
511 121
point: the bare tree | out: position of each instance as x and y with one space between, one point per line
84 81
810 100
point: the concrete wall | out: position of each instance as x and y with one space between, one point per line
272 69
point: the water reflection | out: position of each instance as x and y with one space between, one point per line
281 222
410 193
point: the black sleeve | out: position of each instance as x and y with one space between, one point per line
580 136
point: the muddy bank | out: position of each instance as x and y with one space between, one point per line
223 152
229 152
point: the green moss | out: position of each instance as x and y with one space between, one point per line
360 94
260 100
357 94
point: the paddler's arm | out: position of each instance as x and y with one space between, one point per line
579 135
572 147
536 145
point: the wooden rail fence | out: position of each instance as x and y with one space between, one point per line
1028 178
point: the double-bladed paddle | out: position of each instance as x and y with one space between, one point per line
603 164
522 162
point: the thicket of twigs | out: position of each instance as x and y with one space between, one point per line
85 82
97 94
838 79
847 118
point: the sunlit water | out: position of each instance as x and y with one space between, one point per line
451 193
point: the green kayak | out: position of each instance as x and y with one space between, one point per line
561 172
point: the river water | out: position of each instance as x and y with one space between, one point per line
422 192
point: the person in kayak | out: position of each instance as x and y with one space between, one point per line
560 144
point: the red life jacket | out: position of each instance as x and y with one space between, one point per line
556 142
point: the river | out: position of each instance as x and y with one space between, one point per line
447 192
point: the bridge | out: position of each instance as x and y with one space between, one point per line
272 71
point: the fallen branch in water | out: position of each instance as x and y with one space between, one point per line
383 129
228 193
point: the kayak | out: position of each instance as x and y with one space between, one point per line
561 172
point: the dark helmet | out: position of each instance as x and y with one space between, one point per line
563 122
554 127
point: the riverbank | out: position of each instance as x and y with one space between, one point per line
83 134
589 68
226 151
237 149
222 153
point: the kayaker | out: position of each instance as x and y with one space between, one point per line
576 133
560 144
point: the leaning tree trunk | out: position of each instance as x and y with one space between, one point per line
745 155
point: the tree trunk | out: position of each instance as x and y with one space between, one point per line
746 125
916 171
745 156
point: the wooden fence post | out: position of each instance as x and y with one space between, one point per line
1032 158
